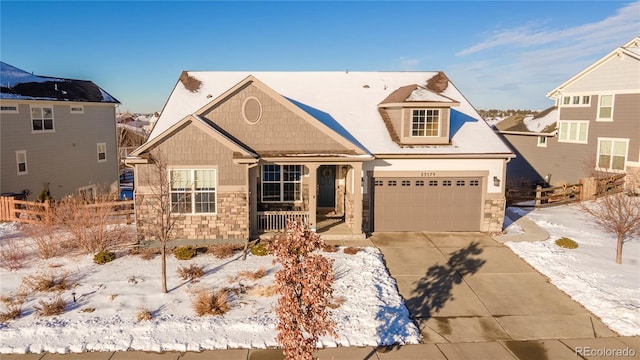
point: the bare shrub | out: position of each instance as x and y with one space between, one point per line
44 232
93 224
191 272
223 251
211 302
13 312
304 285
46 282
112 297
55 307
253 275
12 254
144 314
351 250
145 253
88 310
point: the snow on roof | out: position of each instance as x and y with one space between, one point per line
540 122
421 94
17 84
350 98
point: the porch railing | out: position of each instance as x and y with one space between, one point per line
277 220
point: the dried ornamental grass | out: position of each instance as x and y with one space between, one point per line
13 312
12 254
211 303
143 314
191 272
44 282
253 275
223 251
351 250
56 307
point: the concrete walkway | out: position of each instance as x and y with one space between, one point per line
531 231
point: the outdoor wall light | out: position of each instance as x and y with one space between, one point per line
496 181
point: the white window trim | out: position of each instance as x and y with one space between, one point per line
281 182
43 131
439 123
626 155
10 111
193 191
26 162
586 141
105 152
81 107
542 143
571 97
613 102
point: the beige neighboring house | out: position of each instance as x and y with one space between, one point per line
594 125
375 151
55 131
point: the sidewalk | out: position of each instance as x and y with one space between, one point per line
532 232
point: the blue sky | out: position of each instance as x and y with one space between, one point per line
499 54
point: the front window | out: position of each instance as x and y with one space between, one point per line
605 107
41 119
542 141
193 191
281 183
425 122
573 131
612 154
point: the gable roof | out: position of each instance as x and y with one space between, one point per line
349 98
17 84
630 49
542 123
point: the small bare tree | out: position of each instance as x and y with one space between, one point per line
156 202
304 285
618 213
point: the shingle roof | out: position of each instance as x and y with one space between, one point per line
21 85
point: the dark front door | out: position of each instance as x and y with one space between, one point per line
327 186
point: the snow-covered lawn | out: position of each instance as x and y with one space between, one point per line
589 274
109 296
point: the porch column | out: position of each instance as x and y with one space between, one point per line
357 197
252 187
313 193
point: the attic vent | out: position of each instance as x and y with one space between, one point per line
251 110
190 83
438 83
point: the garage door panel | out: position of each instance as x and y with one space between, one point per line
433 204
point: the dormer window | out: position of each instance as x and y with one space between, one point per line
425 122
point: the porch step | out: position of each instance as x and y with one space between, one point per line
324 236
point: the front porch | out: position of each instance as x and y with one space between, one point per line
325 196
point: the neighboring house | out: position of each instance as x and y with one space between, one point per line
384 151
594 126
55 132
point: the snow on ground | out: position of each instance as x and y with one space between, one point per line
589 274
373 312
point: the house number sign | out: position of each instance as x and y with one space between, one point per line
427 174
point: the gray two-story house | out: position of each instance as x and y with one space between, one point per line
594 126
55 133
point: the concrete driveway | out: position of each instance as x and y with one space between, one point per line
467 287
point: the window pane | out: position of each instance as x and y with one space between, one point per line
37 124
586 99
605 147
606 100
271 191
205 202
619 148
605 112
291 192
564 131
576 100
292 172
22 167
618 163
181 202
572 131
180 179
565 100
47 113
604 161
48 124
271 172
102 156
205 179
583 132
36 113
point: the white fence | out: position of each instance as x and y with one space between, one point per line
277 220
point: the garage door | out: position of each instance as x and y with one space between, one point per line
427 204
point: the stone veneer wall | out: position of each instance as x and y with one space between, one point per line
493 219
229 223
